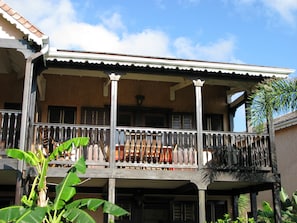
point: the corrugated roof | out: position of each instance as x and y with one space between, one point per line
21 23
166 63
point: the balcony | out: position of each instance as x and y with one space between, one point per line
156 148
10 124
143 148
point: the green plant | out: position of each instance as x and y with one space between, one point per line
288 209
243 204
36 207
272 96
227 219
266 215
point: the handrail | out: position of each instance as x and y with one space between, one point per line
158 148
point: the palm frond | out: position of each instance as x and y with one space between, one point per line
271 97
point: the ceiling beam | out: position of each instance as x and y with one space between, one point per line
177 87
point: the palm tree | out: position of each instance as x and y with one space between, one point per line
272 97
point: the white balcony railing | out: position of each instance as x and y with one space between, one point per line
156 148
47 136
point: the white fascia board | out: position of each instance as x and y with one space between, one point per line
22 28
167 63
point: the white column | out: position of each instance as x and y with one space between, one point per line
199 124
111 196
25 120
201 204
113 116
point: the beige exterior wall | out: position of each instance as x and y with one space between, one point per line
286 144
286 148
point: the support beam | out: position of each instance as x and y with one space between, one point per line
235 206
113 117
238 101
201 204
253 200
106 88
276 203
20 45
25 122
41 84
111 196
273 160
177 87
198 92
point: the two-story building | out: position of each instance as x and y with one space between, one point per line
161 134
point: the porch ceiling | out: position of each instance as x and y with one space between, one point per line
179 80
180 72
12 62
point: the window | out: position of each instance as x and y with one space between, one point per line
142 116
183 212
125 204
182 121
5 202
155 120
215 209
213 122
94 116
125 119
61 114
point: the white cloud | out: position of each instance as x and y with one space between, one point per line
287 9
152 42
60 21
113 21
221 50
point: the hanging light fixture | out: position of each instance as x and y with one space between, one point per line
139 99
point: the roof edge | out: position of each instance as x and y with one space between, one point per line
285 121
169 63
22 24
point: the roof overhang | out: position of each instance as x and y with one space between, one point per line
31 33
285 121
166 63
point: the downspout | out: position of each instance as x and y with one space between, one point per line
25 122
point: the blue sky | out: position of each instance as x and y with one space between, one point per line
259 32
